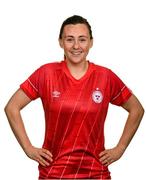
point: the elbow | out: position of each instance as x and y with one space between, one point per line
8 109
142 111
137 112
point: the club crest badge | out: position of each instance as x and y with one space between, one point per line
97 96
56 94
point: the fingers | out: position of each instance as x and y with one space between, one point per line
42 161
47 152
103 153
42 156
110 155
105 158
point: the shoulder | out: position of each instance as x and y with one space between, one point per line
101 69
46 69
50 67
104 72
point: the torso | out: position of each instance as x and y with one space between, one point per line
75 112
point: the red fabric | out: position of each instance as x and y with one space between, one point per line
75 111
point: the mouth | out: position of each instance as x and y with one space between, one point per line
76 53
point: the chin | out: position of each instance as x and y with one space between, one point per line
75 60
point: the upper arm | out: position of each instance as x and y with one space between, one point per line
19 100
119 92
132 104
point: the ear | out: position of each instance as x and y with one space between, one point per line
91 43
60 43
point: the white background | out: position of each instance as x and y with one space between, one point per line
29 38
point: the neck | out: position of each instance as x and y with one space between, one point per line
77 69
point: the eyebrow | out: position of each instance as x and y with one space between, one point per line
82 36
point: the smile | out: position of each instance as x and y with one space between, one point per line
76 53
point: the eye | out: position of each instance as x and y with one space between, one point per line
69 39
82 40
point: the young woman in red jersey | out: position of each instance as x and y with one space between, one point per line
75 94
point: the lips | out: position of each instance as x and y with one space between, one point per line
76 53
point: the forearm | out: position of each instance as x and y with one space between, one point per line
111 155
131 126
136 111
17 126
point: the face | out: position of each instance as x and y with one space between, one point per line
76 42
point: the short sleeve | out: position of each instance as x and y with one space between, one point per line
119 92
32 86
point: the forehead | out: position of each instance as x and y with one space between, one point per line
76 30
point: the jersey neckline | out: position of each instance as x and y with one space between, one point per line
67 72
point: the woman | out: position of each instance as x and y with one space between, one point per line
75 94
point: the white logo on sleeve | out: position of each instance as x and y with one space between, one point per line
97 96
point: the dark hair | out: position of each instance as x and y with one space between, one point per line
75 19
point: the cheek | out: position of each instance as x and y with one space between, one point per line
86 48
67 47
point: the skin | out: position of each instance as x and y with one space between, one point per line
135 114
17 102
76 43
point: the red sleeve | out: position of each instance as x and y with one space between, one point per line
119 92
32 85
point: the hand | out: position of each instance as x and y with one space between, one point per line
42 156
109 156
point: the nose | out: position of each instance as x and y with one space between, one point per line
76 44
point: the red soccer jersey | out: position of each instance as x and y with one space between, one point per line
75 112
